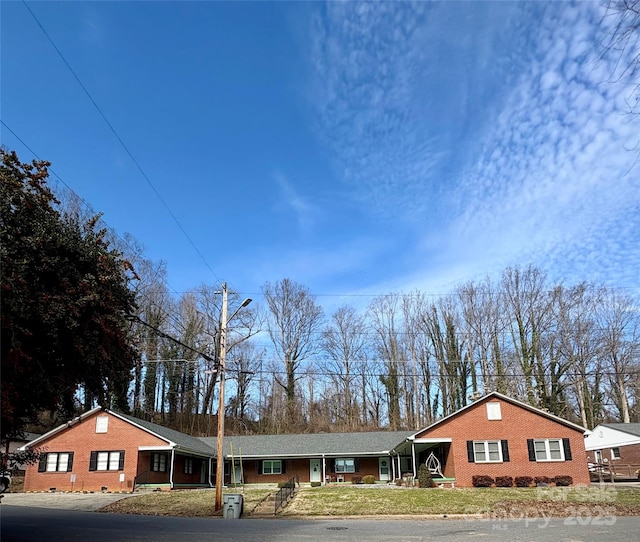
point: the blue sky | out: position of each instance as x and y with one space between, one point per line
356 148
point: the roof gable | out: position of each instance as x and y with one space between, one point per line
496 395
60 428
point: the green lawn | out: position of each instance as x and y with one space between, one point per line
377 501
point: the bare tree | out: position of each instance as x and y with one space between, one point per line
623 45
344 341
385 316
242 365
294 320
619 323
579 345
485 325
526 299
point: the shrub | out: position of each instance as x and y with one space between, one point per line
316 484
356 479
424 477
482 480
542 480
523 481
369 479
504 481
288 483
399 482
563 480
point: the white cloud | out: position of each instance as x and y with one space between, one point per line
541 175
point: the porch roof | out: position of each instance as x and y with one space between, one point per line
311 445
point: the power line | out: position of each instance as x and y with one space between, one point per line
122 143
169 315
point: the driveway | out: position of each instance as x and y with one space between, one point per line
87 502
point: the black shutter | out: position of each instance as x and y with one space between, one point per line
356 464
532 450
332 465
121 462
70 463
470 456
93 461
567 449
284 465
260 467
42 464
505 450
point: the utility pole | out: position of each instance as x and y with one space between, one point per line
221 373
221 367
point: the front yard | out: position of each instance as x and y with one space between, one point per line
379 501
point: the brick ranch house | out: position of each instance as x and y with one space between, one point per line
103 450
614 447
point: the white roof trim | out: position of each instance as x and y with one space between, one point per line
60 428
154 448
508 400
431 440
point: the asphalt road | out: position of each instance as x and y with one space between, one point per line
33 524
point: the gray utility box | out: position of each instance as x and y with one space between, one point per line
232 505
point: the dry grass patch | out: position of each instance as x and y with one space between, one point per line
337 502
186 503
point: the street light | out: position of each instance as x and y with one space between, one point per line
223 353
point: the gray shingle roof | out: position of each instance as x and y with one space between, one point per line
310 445
631 428
183 440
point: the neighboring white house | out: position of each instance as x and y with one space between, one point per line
615 446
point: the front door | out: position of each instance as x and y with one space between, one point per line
315 474
384 464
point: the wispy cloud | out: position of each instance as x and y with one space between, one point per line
494 131
291 201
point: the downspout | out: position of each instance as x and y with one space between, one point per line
210 471
413 458
399 467
173 456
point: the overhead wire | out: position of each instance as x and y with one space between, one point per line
122 143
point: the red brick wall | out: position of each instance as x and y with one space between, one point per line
82 439
301 468
629 455
516 426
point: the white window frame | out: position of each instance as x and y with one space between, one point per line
272 466
188 465
345 465
544 456
615 452
108 461
57 462
485 444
